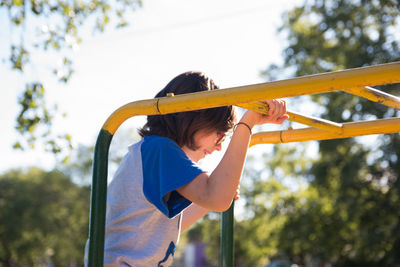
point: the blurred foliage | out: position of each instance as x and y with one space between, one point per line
340 208
43 219
79 166
44 216
359 181
328 35
54 27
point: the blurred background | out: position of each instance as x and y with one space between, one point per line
67 65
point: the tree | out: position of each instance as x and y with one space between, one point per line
79 166
55 27
344 211
357 183
44 218
326 35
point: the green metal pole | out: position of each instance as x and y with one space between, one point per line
98 200
227 242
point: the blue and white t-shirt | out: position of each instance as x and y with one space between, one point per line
142 226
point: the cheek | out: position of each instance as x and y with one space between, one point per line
209 142
205 141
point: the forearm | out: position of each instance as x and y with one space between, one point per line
225 179
191 215
216 191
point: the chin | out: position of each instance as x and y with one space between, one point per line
195 159
199 158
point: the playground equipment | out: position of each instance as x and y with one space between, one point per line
353 81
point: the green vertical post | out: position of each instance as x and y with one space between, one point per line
98 200
227 240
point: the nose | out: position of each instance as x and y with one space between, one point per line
218 147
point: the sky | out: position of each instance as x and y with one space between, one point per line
231 41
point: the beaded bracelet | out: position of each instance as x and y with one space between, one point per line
245 124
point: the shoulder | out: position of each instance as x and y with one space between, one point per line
154 144
155 140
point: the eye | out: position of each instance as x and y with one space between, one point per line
220 138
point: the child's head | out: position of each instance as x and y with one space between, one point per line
181 127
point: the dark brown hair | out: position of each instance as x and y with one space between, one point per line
181 127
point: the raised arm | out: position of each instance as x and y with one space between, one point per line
216 191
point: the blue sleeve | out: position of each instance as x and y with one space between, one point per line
166 168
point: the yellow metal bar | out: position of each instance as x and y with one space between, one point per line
351 129
316 122
313 84
375 95
142 107
296 117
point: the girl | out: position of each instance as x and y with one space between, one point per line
159 190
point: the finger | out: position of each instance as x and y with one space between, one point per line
284 106
237 193
282 119
280 108
278 112
272 108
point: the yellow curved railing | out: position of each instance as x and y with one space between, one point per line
354 81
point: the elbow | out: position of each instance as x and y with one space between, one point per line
216 206
217 200
222 206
